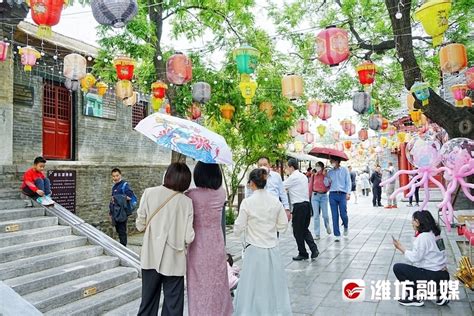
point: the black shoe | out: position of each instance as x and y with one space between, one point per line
413 302
300 257
442 301
314 255
380 205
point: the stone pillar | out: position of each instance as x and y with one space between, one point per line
6 110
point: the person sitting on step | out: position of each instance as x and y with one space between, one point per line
36 185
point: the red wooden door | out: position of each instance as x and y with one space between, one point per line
57 110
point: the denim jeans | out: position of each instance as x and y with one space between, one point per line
42 184
338 203
320 200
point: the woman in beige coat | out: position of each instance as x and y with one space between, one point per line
166 216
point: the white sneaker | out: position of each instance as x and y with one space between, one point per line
337 239
346 231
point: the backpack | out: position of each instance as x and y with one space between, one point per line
133 202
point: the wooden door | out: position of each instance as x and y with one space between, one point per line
57 112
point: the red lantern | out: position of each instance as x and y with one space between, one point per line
332 46
347 144
302 126
313 108
125 67
46 13
179 69
309 138
363 134
159 89
366 72
3 50
470 78
195 111
385 123
325 111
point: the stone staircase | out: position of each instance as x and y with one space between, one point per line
59 270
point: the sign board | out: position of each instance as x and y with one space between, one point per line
23 95
97 106
63 188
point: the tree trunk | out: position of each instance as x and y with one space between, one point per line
458 122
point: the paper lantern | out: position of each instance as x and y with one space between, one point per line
124 66
72 85
346 125
366 72
332 46
433 15
46 13
247 88
351 130
179 69
75 66
361 102
452 58
336 136
292 87
340 146
156 103
194 111
467 102
289 112
385 124
383 141
87 82
347 144
421 91
392 130
459 93
363 134
321 130
158 89
410 102
298 146
313 108
201 92
3 50
227 111
415 116
131 100
123 89
246 58
325 111
375 122
469 77
114 13
29 56
267 108
309 138
302 126
101 88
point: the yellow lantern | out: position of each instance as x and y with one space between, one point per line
292 87
123 89
289 112
433 15
383 141
227 111
298 146
410 102
87 82
401 136
247 88
321 130
132 100
415 116
156 103
267 108
452 58
101 88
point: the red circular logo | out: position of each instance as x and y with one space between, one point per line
352 290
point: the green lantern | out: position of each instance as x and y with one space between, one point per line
246 58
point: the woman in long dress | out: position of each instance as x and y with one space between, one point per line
262 288
207 279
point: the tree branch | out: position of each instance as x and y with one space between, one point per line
297 54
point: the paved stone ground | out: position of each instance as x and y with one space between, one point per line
367 253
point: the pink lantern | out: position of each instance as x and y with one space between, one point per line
29 56
179 69
313 108
3 50
351 131
470 78
346 125
302 126
309 138
325 111
459 92
392 130
332 46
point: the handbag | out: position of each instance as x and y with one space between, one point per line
159 208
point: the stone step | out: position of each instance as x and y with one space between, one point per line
27 223
34 264
60 295
105 301
48 278
12 214
40 247
12 204
9 193
129 309
31 235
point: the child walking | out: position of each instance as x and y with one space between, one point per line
36 185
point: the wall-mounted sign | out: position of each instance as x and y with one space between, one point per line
23 95
63 188
97 106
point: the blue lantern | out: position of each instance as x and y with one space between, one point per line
421 91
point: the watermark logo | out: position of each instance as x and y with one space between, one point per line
353 290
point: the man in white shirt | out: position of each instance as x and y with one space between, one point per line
297 186
274 185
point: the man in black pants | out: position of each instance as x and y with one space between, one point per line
375 179
297 186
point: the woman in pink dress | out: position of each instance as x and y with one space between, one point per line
206 276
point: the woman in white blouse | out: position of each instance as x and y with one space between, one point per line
263 288
428 258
